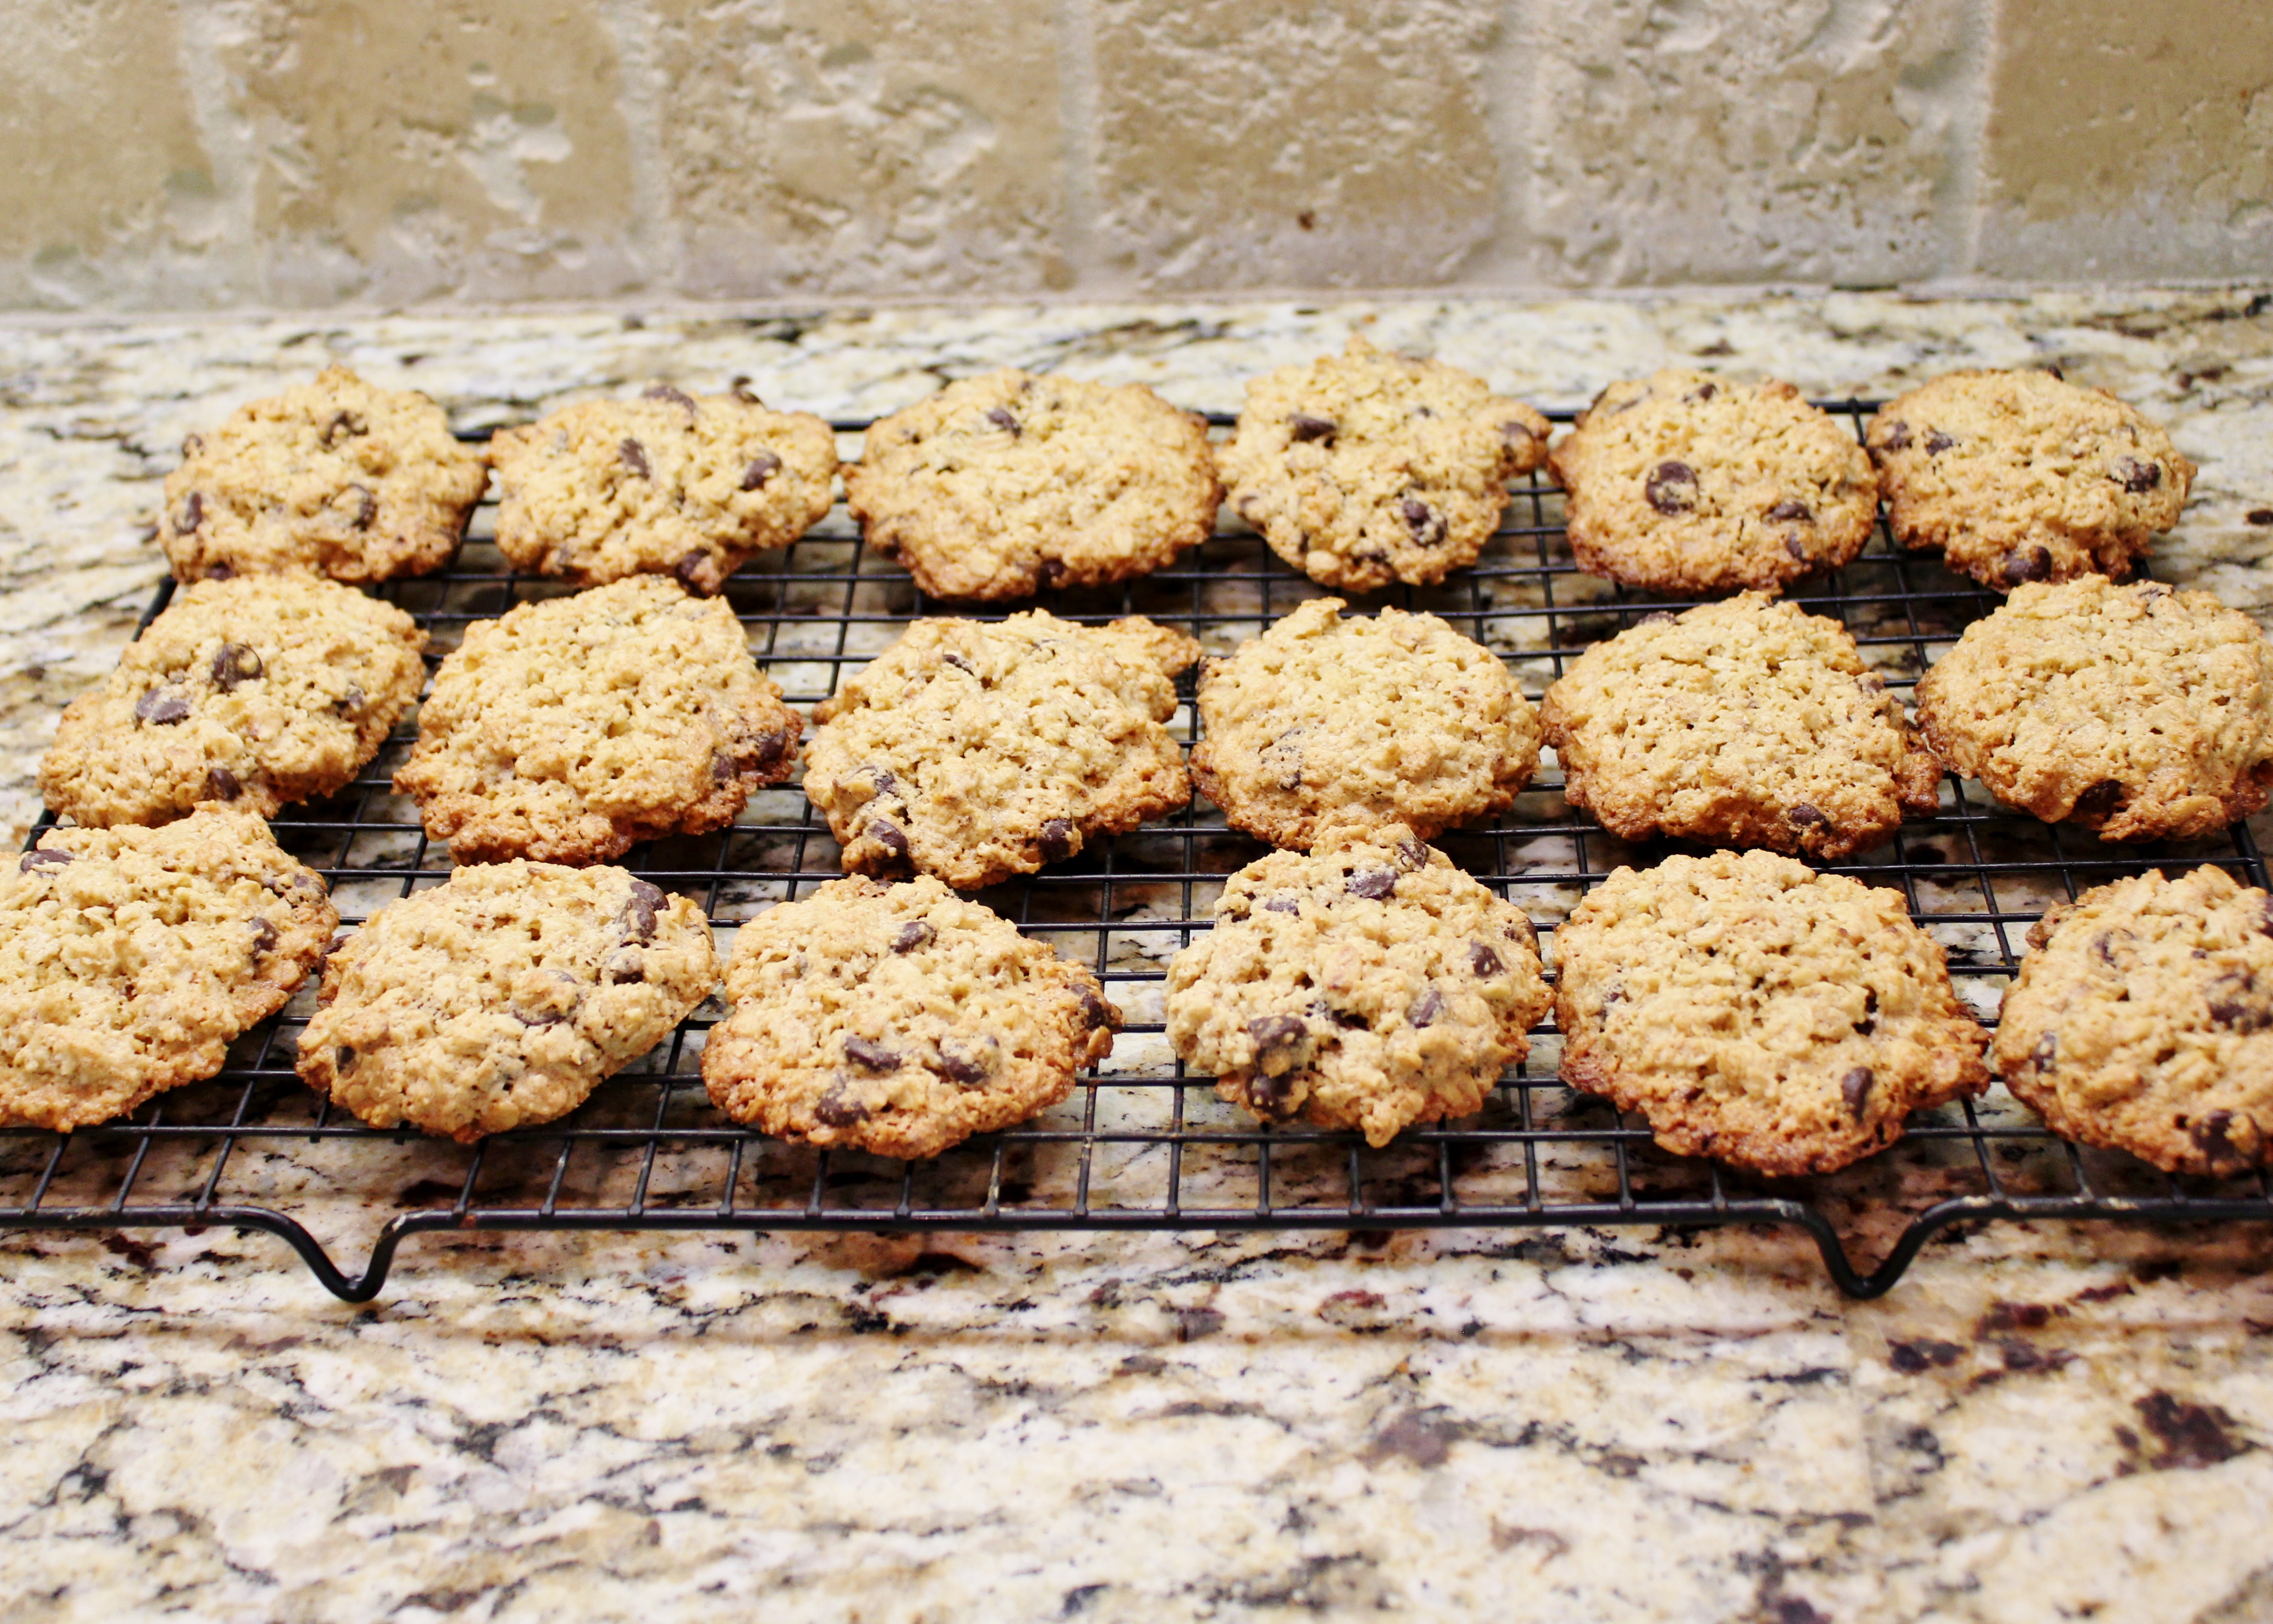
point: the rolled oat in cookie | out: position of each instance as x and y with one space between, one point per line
899 1019
502 997
1759 1012
2143 1020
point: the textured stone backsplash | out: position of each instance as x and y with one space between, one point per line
233 154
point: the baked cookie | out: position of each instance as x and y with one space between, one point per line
1681 482
501 999
130 958
2018 476
334 477
1366 468
1759 1012
2143 1020
670 484
1744 723
2135 710
1368 985
1393 719
899 1019
569 730
998 486
257 691
975 751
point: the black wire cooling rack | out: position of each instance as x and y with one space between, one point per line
1141 1144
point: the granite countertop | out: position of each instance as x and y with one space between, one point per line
2040 1422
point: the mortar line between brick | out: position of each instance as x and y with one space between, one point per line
1078 98
1969 135
656 242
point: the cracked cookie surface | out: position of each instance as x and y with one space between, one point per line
2143 1020
1394 718
1686 482
257 692
690 486
1366 468
569 730
336 478
1759 1012
2136 710
1001 486
899 1019
503 996
975 750
2019 476
1744 723
130 959
1369 984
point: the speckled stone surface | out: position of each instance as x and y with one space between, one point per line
2038 1423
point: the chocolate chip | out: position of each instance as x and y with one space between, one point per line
1671 488
1804 815
890 836
1411 854
1523 930
1302 426
1429 530
869 1053
1897 436
836 1107
691 569
192 444
33 861
1615 993
343 1057
218 570
1936 442
2098 803
1797 548
666 392
2025 563
550 1018
914 934
882 777
162 709
1277 1031
1483 960
1289 905
640 910
1053 572
2265 917
623 965
2236 1004
967 1063
1790 507
351 701
1058 841
1516 435
960 664
337 942
233 663
2258 516
1869 1023
1272 1098
2046 1051
1703 391
193 512
2215 1137
221 784
1855 1089
343 426
366 507
1095 1012
635 457
2135 475
1425 1008
763 468
1004 419
1373 884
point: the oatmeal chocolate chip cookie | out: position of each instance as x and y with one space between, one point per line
2019 477
976 751
1366 468
2133 710
1000 485
1681 482
2143 1020
1368 985
130 958
1759 1012
334 477
253 692
670 484
1744 723
1395 719
898 1018
569 730
502 997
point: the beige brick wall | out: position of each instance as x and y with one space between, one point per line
225 153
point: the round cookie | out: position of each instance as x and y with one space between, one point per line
2143 1020
1685 483
977 750
1744 722
670 484
130 959
898 1018
1393 719
502 997
1759 1012
1370 985
569 730
2135 710
335 478
1000 485
257 692
1366 468
2019 477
